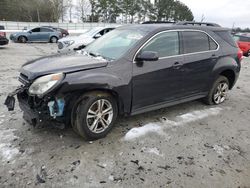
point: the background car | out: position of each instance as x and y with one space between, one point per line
3 39
243 43
78 42
39 34
64 32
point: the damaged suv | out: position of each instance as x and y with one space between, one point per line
131 70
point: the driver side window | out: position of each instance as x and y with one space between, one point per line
36 30
166 44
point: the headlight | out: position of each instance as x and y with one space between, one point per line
69 42
45 83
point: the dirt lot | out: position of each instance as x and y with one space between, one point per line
189 145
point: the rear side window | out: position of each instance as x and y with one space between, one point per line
194 41
1 27
166 44
226 36
46 30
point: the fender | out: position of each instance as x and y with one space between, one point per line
117 82
225 64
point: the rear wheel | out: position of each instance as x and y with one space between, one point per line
22 39
95 115
218 93
53 39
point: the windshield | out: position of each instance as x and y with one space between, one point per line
90 32
115 44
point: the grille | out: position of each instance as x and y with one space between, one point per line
60 45
24 79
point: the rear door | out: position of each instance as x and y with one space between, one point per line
200 55
156 82
45 34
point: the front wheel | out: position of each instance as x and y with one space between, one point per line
218 92
53 39
95 115
22 39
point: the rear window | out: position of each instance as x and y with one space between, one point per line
244 39
1 27
226 36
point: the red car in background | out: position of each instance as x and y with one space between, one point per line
243 43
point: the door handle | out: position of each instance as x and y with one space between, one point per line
177 65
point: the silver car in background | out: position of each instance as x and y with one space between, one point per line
72 43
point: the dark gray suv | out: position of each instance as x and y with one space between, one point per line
131 70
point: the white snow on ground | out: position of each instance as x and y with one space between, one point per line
1 118
158 127
141 131
218 149
153 150
7 150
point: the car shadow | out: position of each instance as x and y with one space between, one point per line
124 124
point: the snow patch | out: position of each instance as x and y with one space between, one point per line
7 150
197 115
153 150
142 131
218 149
181 120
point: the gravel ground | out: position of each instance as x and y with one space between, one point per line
188 145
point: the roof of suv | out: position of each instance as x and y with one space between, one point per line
153 27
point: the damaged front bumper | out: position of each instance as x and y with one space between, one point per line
37 110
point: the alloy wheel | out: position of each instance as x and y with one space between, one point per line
220 93
99 116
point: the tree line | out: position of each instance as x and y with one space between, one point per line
110 11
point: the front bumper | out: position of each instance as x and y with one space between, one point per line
35 110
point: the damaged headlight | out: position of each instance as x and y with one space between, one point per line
45 83
69 42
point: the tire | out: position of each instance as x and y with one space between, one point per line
248 53
53 39
218 92
89 120
22 39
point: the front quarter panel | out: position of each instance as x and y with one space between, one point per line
116 77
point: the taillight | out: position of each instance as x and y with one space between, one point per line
240 54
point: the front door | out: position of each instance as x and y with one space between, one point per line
160 81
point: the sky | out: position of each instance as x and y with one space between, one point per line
224 12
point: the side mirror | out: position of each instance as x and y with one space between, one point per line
29 32
147 56
98 35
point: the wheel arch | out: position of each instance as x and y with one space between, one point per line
22 36
120 103
230 75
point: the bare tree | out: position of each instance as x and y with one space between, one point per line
59 8
83 8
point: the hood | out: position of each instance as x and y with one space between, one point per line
65 63
75 38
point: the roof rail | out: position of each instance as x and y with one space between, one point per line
158 22
198 23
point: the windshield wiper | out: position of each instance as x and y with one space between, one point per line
94 55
